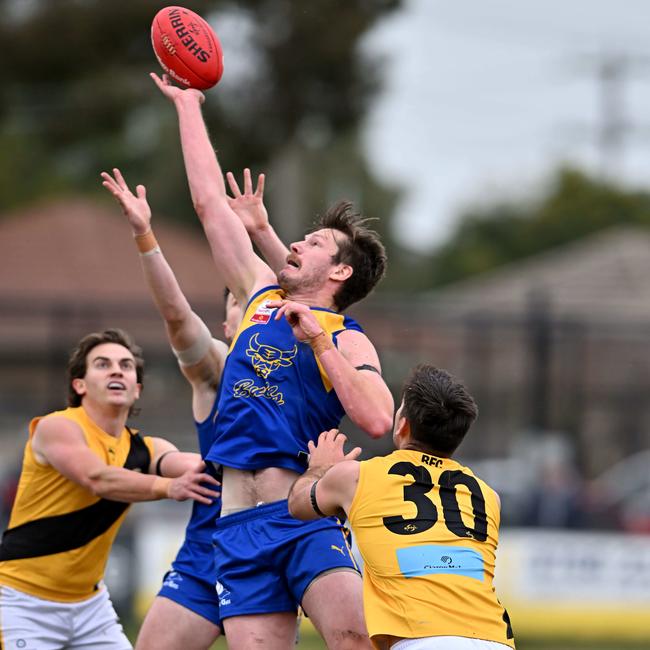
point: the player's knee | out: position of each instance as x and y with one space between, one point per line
348 638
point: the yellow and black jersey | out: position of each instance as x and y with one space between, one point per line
60 534
427 530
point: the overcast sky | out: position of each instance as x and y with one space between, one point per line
483 99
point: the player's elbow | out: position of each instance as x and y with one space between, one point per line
175 318
299 510
95 486
96 483
298 505
378 425
294 508
206 203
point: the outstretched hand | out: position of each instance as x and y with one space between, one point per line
329 450
249 206
134 206
174 92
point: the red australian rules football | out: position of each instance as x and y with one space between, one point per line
187 48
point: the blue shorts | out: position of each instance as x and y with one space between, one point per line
266 559
199 595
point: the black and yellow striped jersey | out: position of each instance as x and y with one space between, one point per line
60 534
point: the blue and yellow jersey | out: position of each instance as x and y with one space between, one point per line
274 395
428 530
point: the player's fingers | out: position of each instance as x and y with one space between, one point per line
207 478
109 183
232 183
158 81
340 440
208 493
248 181
141 192
110 188
120 179
259 191
353 455
282 311
205 492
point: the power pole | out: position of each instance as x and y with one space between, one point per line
613 71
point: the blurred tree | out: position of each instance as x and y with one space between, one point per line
75 99
574 206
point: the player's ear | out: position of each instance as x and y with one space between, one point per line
402 429
341 272
138 391
79 386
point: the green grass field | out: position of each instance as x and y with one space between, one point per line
312 641
309 640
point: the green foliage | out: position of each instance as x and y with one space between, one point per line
77 99
574 206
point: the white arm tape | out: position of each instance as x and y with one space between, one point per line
197 350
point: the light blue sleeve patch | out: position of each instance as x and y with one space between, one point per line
434 559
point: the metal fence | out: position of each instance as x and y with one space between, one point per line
535 377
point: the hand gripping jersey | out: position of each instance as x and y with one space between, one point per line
274 395
60 534
427 529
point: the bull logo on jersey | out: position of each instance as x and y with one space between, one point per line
266 358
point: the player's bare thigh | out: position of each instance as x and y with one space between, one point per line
169 626
275 631
246 489
339 620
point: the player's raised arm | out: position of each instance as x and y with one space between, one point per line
232 250
249 207
200 357
60 443
352 367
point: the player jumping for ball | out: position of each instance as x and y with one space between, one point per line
295 367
